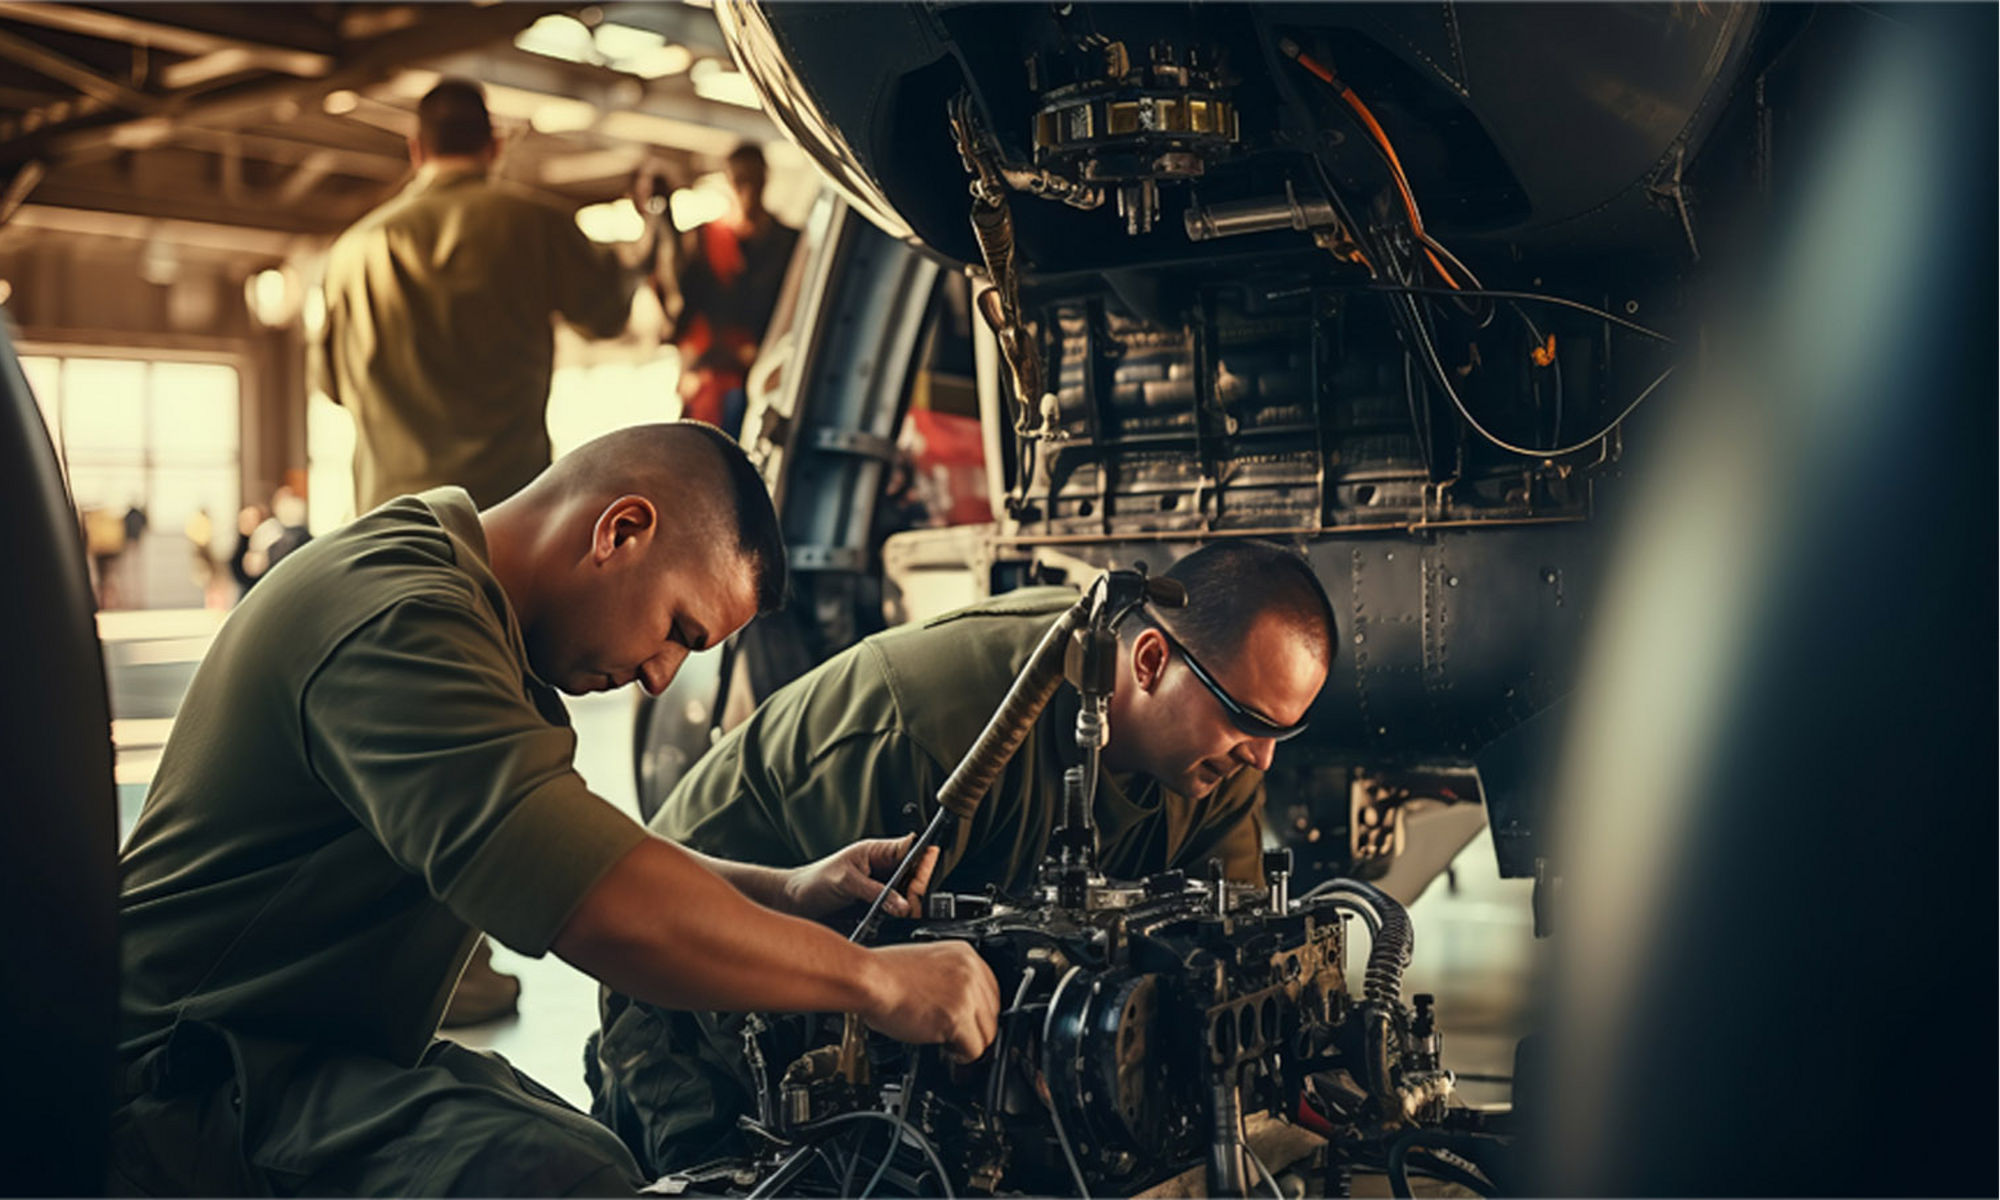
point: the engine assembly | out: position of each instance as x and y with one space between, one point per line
1143 1028
1147 1022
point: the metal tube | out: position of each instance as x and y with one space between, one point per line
1206 222
1227 1168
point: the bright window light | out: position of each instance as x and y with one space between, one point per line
698 205
558 36
614 221
713 81
557 114
618 42
659 62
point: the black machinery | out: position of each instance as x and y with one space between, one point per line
1148 1019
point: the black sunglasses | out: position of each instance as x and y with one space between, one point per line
1246 719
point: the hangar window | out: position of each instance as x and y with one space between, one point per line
150 449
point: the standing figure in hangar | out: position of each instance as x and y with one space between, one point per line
726 280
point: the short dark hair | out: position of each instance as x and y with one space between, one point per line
451 119
758 536
747 158
1230 584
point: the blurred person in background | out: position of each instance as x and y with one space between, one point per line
440 340
248 518
278 534
199 529
725 282
440 304
104 541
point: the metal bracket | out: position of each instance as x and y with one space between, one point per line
826 558
853 441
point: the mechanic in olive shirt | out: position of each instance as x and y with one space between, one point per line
439 304
372 763
859 747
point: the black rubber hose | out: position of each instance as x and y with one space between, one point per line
1375 1035
1463 1144
1388 924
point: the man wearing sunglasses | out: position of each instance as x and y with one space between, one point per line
859 746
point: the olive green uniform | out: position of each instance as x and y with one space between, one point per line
439 336
364 772
858 748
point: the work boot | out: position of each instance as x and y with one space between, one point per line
483 993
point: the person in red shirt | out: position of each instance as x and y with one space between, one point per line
726 279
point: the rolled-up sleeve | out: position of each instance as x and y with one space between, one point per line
420 724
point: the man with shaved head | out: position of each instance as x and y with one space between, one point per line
372 764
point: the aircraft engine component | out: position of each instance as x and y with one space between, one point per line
1147 1018
1105 119
1142 1027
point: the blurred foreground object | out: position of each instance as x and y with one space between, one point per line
1775 972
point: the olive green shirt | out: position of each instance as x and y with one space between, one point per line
439 336
858 748
363 772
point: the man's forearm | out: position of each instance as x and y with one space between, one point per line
762 885
666 929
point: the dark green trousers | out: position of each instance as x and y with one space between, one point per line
214 1114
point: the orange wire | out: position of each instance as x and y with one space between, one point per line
1375 131
1402 181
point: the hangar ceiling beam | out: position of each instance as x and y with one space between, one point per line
307 217
47 62
180 39
294 151
440 30
306 176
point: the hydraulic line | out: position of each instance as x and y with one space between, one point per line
993 226
1465 1145
1389 927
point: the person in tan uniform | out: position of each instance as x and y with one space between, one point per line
372 763
859 746
439 304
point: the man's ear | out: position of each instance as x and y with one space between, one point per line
1149 659
626 526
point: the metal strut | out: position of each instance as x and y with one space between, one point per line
1000 305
